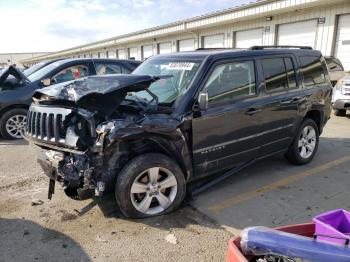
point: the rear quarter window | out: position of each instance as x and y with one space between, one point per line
313 71
279 74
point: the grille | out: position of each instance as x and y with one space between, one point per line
47 123
346 90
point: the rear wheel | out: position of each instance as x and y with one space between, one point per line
305 144
12 123
340 112
150 185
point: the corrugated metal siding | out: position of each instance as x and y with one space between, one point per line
282 11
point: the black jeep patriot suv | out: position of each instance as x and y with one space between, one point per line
178 118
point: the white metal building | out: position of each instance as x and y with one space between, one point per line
321 24
7 59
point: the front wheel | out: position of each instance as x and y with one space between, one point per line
150 185
12 122
305 144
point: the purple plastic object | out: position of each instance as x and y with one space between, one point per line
333 226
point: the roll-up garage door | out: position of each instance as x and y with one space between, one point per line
121 54
164 48
133 52
213 41
300 33
147 51
342 45
186 45
248 38
102 54
94 55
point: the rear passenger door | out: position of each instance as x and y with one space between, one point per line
281 98
226 135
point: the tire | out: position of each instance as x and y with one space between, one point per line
299 152
13 118
137 176
340 112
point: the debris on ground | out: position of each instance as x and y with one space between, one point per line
37 202
171 238
99 239
66 216
77 211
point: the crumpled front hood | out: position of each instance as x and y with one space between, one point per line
98 85
102 94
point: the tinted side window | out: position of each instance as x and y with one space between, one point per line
292 83
231 80
105 68
71 73
312 70
275 74
125 70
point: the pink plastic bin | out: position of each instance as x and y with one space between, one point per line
333 226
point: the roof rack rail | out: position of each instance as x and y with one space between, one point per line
258 47
213 48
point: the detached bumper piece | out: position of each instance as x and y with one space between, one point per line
51 190
73 172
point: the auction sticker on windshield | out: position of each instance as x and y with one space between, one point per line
180 66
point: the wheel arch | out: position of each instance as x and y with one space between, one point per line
173 146
317 116
14 106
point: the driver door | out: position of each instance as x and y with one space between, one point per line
226 134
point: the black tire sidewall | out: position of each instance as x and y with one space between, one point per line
293 153
340 112
6 116
138 165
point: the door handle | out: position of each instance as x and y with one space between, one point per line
290 101
252 111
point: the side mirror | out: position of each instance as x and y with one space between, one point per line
46 82
203 100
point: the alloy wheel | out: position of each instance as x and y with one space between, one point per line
307 142
154 190
14 125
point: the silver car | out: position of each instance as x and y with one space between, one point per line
341 96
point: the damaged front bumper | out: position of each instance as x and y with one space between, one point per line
74 172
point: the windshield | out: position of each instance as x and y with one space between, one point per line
33 68
180 72
38 75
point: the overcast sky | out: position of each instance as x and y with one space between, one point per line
52 25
